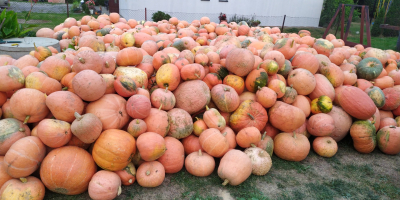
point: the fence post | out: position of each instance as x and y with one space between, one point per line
283 23
67 9
145 14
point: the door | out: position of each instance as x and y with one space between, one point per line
114 6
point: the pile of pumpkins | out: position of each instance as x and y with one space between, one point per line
130 101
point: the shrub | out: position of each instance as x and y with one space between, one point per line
85 9
159 15
376 31
392 18
250 21
329 9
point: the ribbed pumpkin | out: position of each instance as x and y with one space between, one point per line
11 130
174 157
86 127
181 123
249 113
376 95
54 133
199 163
291 146
369 68
363 133
235 82
105 153
225 98
151 146
192 96
63 105
256 78
42 82
388 139
286 117
213 142
138 106
356 102
4 177
235 167
24 157
56 67
78 162
29 105
29 188
111 110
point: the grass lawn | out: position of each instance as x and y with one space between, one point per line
48 20
347 175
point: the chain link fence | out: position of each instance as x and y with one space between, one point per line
140 14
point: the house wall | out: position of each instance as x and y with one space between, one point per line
269 12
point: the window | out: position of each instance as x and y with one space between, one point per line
205 0
223 0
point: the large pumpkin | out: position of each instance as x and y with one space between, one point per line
111 110
322 87
67 170
150 174
342 124
286 117
89 85
56 67
54 133
225 98
29 188
138 106
88 60
235 167
363 133
158 122
249 113
174 157
388 139
356 102
240 61
42 82
29 105
63 105
151 146
369 68
213 142
107 156
291 146
302 80
320 124
181 124
24 157
192 96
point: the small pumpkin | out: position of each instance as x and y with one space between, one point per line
261 161
266 143
388 139
29 105
64 104
199 126
104 185
181 123
369 68
29 188
86 127
54 133
158 122
163 98
199 164
249 113
214 119
150 174
286 117
138 106
11 130
151 146
41 52
322 104
320 125
128 174
363 133
136 127
325 146
225 98
235 167
42 82
376 94
125 86
213 142
291 146
248 136
256 78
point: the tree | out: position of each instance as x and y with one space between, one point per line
329 9
376 31
392 18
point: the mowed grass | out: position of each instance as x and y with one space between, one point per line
377 42
347 175
48 20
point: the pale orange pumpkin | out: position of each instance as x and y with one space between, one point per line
174 157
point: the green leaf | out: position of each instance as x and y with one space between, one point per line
27 16
3 15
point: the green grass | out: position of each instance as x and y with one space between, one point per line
377 42
52 19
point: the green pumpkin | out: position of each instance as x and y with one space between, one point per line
285 70
377 96
103 32
179 44
369 68
245 43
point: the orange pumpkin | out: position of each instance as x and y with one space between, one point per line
29 187
130 56
11 130
42 82
286 117
73 159
63 105
213 142
320 124
364 136
11 78
249 113
104 185
303 81
128 174
168 76
199 163
110 158
54 133
29 105
174 157
248 136
235 167
240 61
87 60
41 52
388 139
150 174
158 122
181 123
322 87
192 96
356 102
325 146
151 146
56 67
66 81
291 147
89 85
163 98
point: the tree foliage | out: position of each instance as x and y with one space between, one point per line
376 31
393 18
160 15
329 9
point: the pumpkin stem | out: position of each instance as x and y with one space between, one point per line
166 89
137 121
27 119
21 130
23 180
78 116
224 134
160 107
251 116
6 63
65 89
263 136
81 60
107 65
197 76
63 56
294 135
226 181
200 154
119 190
291 45
207 107
35 47
391 126
253 145
147 173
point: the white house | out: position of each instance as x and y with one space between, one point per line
269 12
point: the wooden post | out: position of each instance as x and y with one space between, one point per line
283 23
342 22
145 14
67 9
362 25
